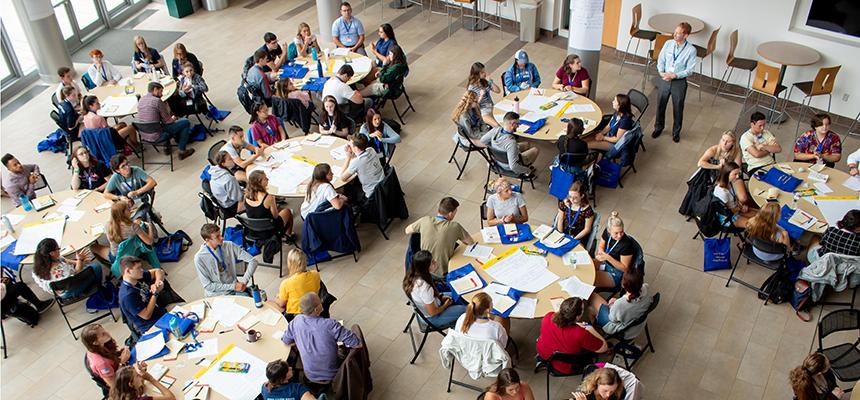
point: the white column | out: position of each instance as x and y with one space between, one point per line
327 12
44 35
586 34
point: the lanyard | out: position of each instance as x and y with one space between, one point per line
269 129
820 146
675 55
104 72
345 26
89 179
441 217
614 121
221 265
613 246
575 218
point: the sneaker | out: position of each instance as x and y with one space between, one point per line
44 306
92 311
656 133
185 154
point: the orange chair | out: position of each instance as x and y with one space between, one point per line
705 52
654 54
733 62
766 83
822 85
639 35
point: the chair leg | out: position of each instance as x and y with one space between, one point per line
396 111
624 58
3 333
734 267
420 346
67 320
547 383
409 325
281 263
648 336
451 375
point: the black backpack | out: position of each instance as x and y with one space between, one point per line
779 286
707 210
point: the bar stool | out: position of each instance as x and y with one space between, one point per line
704 52
851 128
733 62
767 83
498 14
639 35
822 85
462 5
654 54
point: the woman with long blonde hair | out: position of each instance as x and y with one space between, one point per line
129 385
478 323
615 251
814 380
602 384
182 56
145 56
305 40
721 153
299 281
764 226
467 118
121 227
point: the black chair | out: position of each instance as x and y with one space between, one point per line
42 183
483 211
155 128
3 334
626 347
386 203
577 362
640 102
55 101
844 358
746 251
502 84
214 150
55 116
581 165
216 213
259 231
494 164
392 96
467 148
97 379
638 264
627 156
76 282
424 326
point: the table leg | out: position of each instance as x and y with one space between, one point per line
400 4
476 23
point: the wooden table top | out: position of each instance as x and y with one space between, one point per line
267 348
788 53
835 182
314 154
77 234
328 66
139 85
666 23
585 273
554 127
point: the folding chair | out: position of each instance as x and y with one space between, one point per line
576 361
259 231
640 102
746 251
494 164
42 183
626 347
214 150
386 203
153 128
75 282
424 326
844 358
465 144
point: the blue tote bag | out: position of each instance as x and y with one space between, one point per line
718 254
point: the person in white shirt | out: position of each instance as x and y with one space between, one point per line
320 191
758 145
67 78
477 323
439 308
305 41
234 147
101 71
338 88
853 162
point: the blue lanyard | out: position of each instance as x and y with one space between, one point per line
345 26
104 73
575 218
614 121
820 147
221 265
89 180
675 55
441 217
613 246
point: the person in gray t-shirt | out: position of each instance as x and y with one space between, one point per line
505 206
362 162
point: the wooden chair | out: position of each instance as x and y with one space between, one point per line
654 54
705 52
639 35
821 86
766 83
733 62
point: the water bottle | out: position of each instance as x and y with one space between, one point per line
174 327
8 224
314 55
25 202
794 200
258 299
319 69
517 105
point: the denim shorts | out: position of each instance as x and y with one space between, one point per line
602 316
615 273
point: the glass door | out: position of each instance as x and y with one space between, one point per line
79 19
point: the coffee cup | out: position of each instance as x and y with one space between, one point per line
253 335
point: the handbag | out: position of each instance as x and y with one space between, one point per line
169 248
608 174
560 182
183 323
718 254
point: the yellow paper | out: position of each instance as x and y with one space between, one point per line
563 109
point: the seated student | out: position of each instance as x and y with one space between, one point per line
572 77
477 322
279 387
19 179
121 227
853 161
467 117
568 331
844 238
345 95
92 120
225 187
521 155
258 204
719 154
618 313
317 340
104 356
509 387
571 145
128 183
216 261
382 137
389 78
819 144
138 292
615 252
602 384
101 71
298 111
11 306
730 189
49 266
305 40
88 172
182 56
67 79
332 120
190 89
70 111
440 233
260 76
505 206
150 108
575 216
478 84
130 384
764 226
276 57
814 380
758 146
439 308
612 137
347 31
522 74
285 89
146 58
299 281
320 193
382 46
361 163
234 148
265 127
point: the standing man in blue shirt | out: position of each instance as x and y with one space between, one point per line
675 64
347 31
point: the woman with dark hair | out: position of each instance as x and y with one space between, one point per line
258 204
265 127
279 387
382 137
87 172
482 87
104 356
332 120
225 187
383 45
49 266
320 192
145 57
814 380
568 331
602 384
509 387
439 308
612 136
572 76
730 189
819 144
92 120
618 313
130 385
478 322
571 145
182 56
575 216
844 238
389 78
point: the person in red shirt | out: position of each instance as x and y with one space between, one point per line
104 357
568 331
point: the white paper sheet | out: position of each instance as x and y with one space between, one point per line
70 202
802 219
491 235
15 219
833 209
145 349
118 105
325 141
533 100
32 235
523 272
576 288
209 348
542 231
852 183
573 258
199 309
505 106
525 308
248 322
6 240
501 302
340 52
581 108
467 283
338 153
270 317
822 188
817 177
478 251
236 386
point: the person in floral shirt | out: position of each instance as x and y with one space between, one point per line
819 144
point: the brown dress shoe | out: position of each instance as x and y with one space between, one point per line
185 154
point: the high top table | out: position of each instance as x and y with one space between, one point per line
666 23
785 54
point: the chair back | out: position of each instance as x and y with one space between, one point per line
766 79
214 150
635 18
483 211
257 229
76 281
413 247
712 42
423 322
837 321
638 255
655 301
55 101
768 246
500 157
149 131
504 86
823 83
639 101
592 237
659 42
577 362
41 183
733 44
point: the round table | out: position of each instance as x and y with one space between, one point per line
758 190
788 53
105 93
77 234
284 160
585 273
361 65
554 127
267 348
666 23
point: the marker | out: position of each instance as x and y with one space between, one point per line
225 331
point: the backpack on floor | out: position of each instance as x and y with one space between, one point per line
781 288
168 249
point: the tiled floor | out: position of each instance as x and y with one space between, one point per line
712 342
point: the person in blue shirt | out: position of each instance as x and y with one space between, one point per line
522 74
138 293
675 63
347 31
279 387
383 44
612 136
146 56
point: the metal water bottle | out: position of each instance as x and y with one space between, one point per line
319 69
314 55
25 202
258 299
517 105
8 224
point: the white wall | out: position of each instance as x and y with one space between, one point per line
759 21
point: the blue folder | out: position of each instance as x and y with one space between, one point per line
294 71
459 273
793 230
561 250
315 84
133 358
524 233
514 294
780 180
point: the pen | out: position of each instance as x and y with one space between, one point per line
187 385
225 331
473 246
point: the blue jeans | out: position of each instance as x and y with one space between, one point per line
448 318
602 316
180 131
